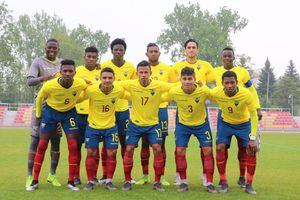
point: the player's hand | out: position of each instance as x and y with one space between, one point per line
87 81
98 66
259 114
199 83
47 78
252 147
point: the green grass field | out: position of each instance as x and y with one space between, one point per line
277 175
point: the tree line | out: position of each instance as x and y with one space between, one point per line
22 39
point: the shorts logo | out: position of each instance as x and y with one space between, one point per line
197 99
43 125
127 137
74 93
87 140
125 73
152 92
113 100
236 103
198 67
161 72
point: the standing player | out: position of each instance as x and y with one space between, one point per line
101 125
146 98
235 103
161 72
203 72
192 120
43 69
90 73
244 80
123 70
61 95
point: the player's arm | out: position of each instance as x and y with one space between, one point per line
124 84
172 76
210 74
85 93
166 97
254 125
33 76
42 95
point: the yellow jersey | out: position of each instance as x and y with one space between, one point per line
203 70
57 97
126 72
102 106
243 78
145 100
91 76
165 73
191 107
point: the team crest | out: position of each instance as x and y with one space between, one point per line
160 72
198 67
125 73
97 77
113 100
236 103
197 99
152 92
74 93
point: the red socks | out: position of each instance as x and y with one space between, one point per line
104 159
111 167
164 154
221 163
181 165
145 155
127 165
251 165
242 158
72 146
77 172
90 165
39 157
208 167
158 165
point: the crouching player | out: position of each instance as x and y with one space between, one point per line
192 120
61 95
101 125
238 107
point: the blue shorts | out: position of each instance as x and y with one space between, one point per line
122 120
82 123
94 136
163 120
202 132
135 132
225 131
50 118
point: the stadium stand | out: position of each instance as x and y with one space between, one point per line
3 109
23 115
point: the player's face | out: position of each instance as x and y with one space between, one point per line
118 52
229 84
51 50
90 59
227 57
143 73
107 79
153 54
67 72
191 50
187 81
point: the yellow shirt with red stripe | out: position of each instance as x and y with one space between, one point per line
57 97
243 78
165 73
126 72
102 106
91 76
145 100
191 107
203 70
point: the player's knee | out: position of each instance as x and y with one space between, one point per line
207 150
91 152
221 146
156 148
111 152
33 144
129 149
180 150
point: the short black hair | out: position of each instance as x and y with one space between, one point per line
92 49
52 40
143 63
107 69
118 41
152 44
187 71
190 40
229 74
67 62
228 49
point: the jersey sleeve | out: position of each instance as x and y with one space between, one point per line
172 76
254 123
210 73
124 84
43 93
34 68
